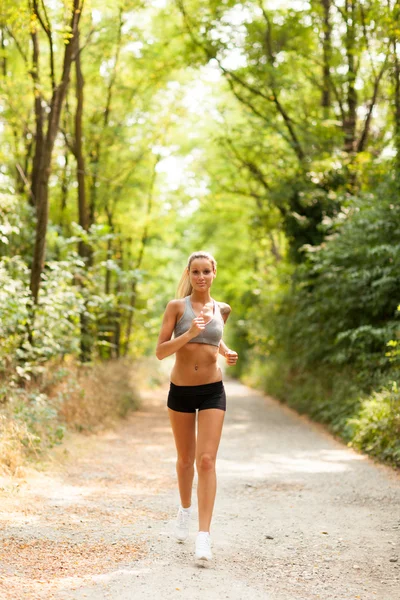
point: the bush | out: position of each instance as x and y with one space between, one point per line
38 411
92 398
376 428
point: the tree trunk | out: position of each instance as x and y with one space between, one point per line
109 252
96 152
42 215
396 78
143 243
39 120
117 294
44 150
327 54
64 188
84 249
3 52
349 124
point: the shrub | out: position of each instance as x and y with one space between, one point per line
376 428
38 410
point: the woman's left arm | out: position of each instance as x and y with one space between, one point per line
223 348
230 355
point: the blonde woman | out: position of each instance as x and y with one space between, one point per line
197 322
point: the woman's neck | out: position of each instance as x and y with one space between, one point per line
201 297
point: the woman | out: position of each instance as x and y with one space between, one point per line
197 322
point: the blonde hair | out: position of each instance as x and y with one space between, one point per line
184 286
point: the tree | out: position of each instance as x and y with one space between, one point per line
46 127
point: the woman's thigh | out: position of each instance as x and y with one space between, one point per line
210 422
184 429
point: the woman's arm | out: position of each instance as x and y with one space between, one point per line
230 355
223 348
167 346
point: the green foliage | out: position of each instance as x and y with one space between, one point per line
39 416
15 305
346 294
325 339
376 428
56 317
30 336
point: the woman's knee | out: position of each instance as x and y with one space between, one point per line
185 462
205 462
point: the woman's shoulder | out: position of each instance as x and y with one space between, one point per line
176 305
224 308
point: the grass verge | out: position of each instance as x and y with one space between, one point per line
36 410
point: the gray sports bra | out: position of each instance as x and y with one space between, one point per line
211 334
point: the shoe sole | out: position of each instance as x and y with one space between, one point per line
203 562
180 538
204 558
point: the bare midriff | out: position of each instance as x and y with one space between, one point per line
196 364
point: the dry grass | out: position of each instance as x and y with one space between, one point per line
94 397
15 438
85 398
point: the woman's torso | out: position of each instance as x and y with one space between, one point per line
196 362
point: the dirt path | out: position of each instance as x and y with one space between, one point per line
298 516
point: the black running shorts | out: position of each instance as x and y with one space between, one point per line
188 398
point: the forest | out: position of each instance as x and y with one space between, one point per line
134 132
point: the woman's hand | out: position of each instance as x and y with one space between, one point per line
197 326
231 357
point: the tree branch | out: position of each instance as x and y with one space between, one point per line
365 132
250 105
295 142
19 47
114 72
250 166
47 29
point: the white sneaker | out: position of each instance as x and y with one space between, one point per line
182 525
203 546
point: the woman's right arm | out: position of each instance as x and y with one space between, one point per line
167 346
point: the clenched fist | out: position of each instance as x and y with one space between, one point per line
231 357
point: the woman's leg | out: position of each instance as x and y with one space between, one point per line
209 431
184 429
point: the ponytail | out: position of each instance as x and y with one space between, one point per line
184 286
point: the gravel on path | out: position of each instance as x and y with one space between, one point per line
298 515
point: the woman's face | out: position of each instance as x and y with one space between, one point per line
201 274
